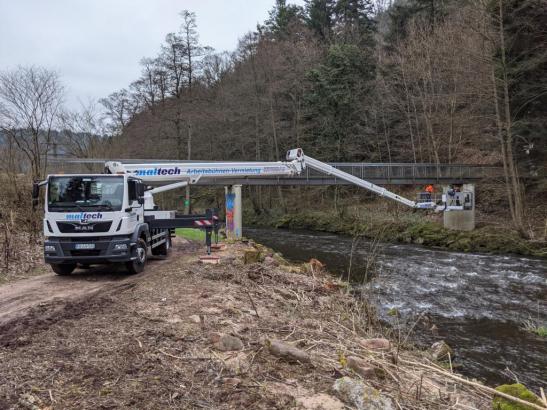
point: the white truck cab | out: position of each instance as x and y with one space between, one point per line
97 218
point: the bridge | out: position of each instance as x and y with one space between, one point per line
377 173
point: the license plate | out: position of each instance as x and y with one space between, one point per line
80 246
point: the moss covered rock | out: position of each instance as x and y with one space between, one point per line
515 390
251 256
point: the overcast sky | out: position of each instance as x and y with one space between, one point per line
96 45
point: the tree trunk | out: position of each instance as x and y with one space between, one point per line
512 179
276 148
187 207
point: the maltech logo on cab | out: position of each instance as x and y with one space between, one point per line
84 216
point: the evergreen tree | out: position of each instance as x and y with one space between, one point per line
281 17
336 102
354 21
525 22
320 17
402 12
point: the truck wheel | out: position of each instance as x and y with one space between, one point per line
137 265
63 268
165 248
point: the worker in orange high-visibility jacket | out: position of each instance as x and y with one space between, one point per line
429 191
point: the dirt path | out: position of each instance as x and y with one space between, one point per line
18 298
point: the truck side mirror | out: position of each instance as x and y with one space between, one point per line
140 194
35 190
35 194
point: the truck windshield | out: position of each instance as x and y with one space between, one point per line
77 193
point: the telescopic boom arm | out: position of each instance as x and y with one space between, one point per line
182 173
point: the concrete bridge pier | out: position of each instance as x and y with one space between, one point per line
460 219
234 220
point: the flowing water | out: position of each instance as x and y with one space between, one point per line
478 302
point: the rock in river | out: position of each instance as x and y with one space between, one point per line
440 351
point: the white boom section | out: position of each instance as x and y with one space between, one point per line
328 169
192 171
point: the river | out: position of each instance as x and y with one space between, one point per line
477 302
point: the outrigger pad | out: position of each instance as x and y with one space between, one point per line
214 260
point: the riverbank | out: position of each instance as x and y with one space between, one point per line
442 295
405 227
253 331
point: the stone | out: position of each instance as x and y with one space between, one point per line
355 393
440 351
361 367
214 337
268 260
316 265
376 344
393 312
251 256
227 343
319 401
194 319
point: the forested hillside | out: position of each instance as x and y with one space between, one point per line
441 81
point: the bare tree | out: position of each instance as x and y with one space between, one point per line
30 103
120 107
82 132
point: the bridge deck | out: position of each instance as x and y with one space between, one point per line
378 173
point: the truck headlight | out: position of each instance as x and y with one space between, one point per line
120 247
49 248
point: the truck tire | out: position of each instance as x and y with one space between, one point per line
63 269
137 265
165 248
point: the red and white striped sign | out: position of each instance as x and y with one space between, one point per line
203 222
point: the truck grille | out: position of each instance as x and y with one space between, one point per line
75 227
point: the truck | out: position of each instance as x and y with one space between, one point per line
111 217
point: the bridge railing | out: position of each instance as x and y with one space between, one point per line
381 173
396 171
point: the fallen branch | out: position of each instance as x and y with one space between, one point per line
287 351
253 304
478 385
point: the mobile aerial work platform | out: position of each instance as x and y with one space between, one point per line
112 217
